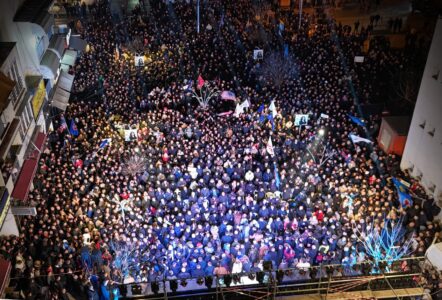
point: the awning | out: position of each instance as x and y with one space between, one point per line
57 43
77 43
49 64
27 173
5 271
65 81
69 57
62 93
6 87
61 106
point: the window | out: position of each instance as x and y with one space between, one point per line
40 47
430 129
22 131
26 118
14 74
436 75
431 132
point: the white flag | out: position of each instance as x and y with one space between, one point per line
357 139
272 108
238 110
270 147
245 104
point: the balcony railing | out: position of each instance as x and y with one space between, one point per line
328 279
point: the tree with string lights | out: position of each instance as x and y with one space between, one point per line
385 243
205 94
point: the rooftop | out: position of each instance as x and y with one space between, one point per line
32 10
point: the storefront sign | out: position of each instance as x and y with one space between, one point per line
38 99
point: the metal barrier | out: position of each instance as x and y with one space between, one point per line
321 280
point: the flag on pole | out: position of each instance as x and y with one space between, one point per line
201 82
189 85
286 50
400 186
227 95
272 108
269 147
357 139
272 121
277 178
73 130
63 124
356 120
105 142
117 53
405 199
261 108
246 103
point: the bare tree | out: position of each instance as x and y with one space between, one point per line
134 164
407 87
205 94
276 69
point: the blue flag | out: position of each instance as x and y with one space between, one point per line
272 121
277 178
357 120
399 185
262 118
261 109
405 199
286 50
104 143
73 130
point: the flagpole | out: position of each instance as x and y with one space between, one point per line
300 14
198 16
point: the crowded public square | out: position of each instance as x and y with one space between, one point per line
212 140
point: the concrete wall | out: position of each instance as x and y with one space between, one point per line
423 150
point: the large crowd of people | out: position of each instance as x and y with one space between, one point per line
196 193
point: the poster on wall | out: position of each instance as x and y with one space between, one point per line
301 120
